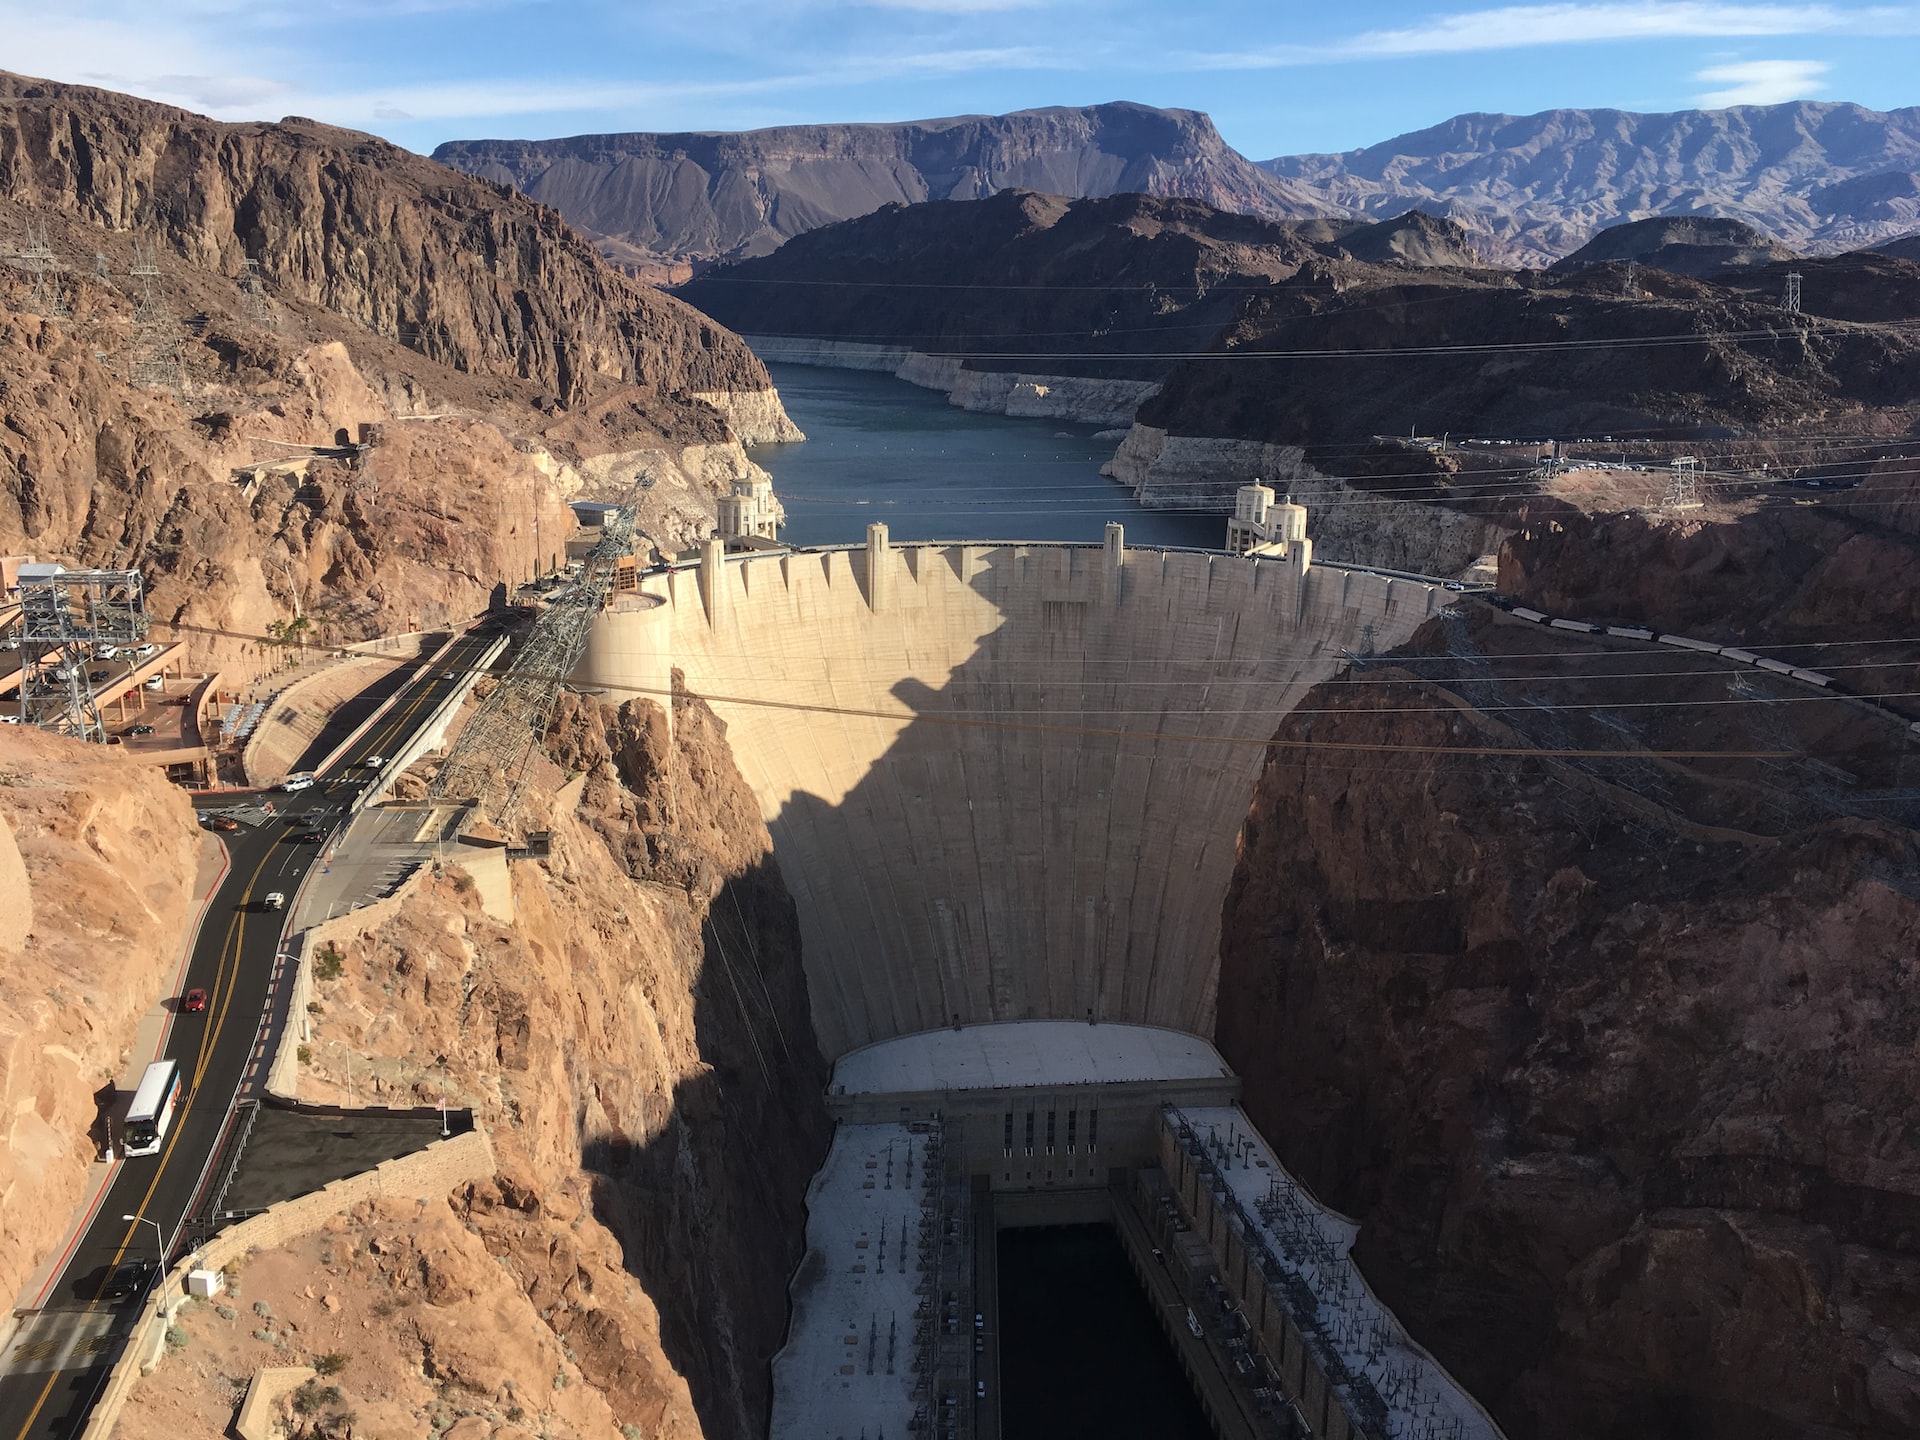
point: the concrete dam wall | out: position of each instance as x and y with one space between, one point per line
1004 782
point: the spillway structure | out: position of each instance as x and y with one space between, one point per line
1004 784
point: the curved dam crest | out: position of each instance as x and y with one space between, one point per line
1004 782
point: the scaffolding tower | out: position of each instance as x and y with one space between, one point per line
64 615
489 762
1790 298
155 360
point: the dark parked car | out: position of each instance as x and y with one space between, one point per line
140 730
98 675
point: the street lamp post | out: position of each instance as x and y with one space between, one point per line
160 1242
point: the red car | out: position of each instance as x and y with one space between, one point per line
194 1001
225 822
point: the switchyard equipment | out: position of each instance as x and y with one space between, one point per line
488 763
64 615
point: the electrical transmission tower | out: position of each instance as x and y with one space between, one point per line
253 293
155 362
64 614
1790 300
1627 285
36 257
488 763
1683 484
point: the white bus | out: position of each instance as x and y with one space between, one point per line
152 1109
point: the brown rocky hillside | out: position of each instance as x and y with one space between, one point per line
1613 1059
431 368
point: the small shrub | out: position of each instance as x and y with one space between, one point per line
331 1363
304 1054
515 1414
313 1397
328 963
177 1338
226 1312
314 1007
631 1431
265 1337
263 1309
559 1379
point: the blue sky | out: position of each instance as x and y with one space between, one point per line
1278 78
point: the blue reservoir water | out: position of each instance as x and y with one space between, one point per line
878 448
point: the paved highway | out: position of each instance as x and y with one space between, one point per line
61 1355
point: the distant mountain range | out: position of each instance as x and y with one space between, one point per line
1818 178
651 200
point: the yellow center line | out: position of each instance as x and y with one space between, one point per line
229 948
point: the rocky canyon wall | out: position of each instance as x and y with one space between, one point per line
1612 1059
376 427
98 869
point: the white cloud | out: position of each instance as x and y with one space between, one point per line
1760 82
1522 25
1515 27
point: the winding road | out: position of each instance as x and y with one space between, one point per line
61 1355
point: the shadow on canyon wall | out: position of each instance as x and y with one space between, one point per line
711 1210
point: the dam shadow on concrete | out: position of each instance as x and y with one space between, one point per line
709 1211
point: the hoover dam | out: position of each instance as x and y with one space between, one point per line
1003 781
1004 784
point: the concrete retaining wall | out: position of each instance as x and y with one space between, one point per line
436 1170
283 1076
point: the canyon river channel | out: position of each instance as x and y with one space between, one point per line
880 449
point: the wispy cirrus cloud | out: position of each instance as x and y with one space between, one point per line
1513 27
1760 82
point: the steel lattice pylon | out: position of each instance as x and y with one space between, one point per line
488 763
63 615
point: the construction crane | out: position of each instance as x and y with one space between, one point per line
489 761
